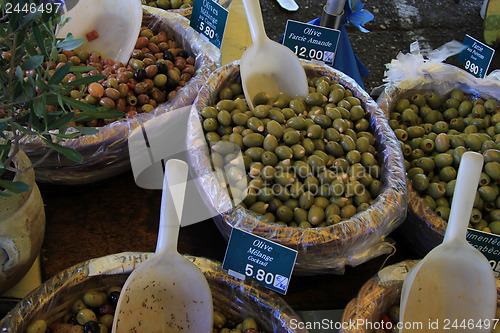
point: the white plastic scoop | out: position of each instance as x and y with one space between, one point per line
166 292
267 66
116 25
454 283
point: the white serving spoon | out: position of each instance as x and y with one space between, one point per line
267 66
454 283
166 292
117 24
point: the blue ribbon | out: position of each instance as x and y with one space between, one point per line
356 15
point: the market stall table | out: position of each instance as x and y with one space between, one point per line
117 216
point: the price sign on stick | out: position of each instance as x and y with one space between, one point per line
209 19
248 255
476 57
311 42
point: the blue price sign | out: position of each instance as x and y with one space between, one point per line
476 57
488 244
267 262
209 19
311 42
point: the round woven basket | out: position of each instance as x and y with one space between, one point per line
106 153
377 295
324 249
423 229
235 299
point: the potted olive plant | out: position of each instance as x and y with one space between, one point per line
35 101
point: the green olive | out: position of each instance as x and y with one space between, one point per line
420 182
436 190
85 315
37 326
315 215
492 169
443 212
447 173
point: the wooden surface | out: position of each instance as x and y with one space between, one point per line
116 215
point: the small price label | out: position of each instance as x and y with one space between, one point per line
476 57
311 42
488 244
267 262
209 19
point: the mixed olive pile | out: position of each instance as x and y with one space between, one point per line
310 161
93 313
435 133
157 69
168 4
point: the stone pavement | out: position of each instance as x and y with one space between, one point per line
396 25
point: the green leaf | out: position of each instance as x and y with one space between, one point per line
32 16
31 48
20 37
22 129
60 122
37 34
40 84
16 187
31 82
32 62
87 130
78 104
69 43
101 114
54 54
19 74
39 106
60 101
67 136
59 74
5 147
81 69
86 80
37 125
68 152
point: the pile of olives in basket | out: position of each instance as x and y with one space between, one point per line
434 133
93 312
310 161
168 4
157 69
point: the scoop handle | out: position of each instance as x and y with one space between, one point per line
172 202
255 22
469 173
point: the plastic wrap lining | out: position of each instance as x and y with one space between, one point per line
410 74
375 297
324 249
236 299
106 153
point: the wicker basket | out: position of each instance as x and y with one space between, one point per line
423 229
106 153
320 250
188 11
236 299
377 295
